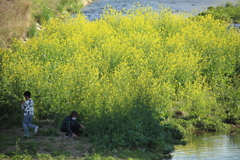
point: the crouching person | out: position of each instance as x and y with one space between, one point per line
70 126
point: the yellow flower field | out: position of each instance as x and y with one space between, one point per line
99 68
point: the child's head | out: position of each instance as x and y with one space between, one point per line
27 95
74 114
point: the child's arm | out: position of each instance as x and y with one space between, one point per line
27 104
23 104
82 126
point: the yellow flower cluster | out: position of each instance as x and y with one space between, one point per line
162 59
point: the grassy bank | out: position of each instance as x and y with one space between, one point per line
19 17
229 12
49 143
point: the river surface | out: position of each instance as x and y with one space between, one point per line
93 10
209 146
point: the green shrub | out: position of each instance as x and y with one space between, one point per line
32 31
136 128
229 13
72 6
46 14
211 125
10 105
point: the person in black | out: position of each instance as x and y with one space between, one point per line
70 126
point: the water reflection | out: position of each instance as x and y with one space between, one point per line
209 146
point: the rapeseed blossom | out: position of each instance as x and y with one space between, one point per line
107 65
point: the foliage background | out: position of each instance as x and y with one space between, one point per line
229 12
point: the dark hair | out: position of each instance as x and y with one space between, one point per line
27 94
74 114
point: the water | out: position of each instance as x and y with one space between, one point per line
209 146
93 10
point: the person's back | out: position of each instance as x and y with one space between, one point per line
28 107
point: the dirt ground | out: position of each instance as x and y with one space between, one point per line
48 140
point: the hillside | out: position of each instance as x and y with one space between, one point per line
20 18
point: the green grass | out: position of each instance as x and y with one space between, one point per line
41 123
59 152
48 132
29 149
30 146
229 12
16 147
6 140
139 154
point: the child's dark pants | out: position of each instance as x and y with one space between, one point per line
74 128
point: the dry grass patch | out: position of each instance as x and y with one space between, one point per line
15 18
18 17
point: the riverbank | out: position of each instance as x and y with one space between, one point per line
50 143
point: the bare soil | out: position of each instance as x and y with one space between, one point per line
52 144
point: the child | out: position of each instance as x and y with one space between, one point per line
28 114
70 125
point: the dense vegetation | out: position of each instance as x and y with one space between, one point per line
229 12
128 76
20 17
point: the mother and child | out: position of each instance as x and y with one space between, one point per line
70 126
